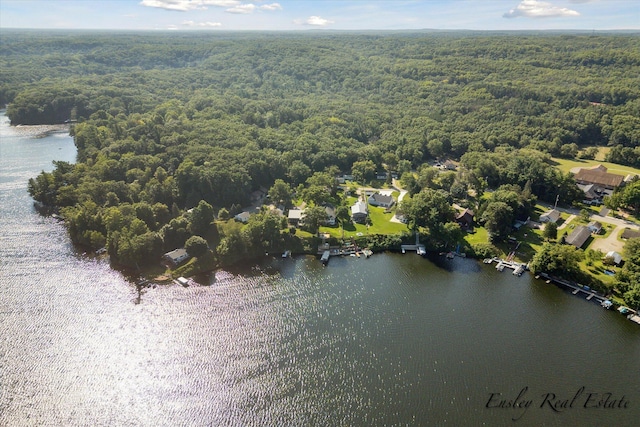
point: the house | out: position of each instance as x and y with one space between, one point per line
449 165
595 227
381 200
465 218
359 211
552 216
617 258
628 233
599 176
381 176
175 257
295 217
331 215
242 216
578 236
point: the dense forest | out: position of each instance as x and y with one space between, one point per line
167 122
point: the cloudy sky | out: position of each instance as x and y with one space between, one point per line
316 14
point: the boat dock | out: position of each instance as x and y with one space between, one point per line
576 289
518 268
420 249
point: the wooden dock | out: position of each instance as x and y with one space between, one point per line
575 289
517 267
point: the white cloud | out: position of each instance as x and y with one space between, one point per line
242 8
206 24
185 5
272 6
539 9
317 21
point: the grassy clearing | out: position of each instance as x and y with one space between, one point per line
380 224
565 165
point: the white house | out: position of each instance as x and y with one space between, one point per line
176 257
295 216
243 216
331 215
617 258
377 199
359 211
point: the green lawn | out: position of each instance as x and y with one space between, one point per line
565 165
380 224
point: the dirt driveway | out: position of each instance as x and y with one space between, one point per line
609 243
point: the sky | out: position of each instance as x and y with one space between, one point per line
217 15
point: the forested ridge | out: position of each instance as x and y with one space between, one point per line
165 122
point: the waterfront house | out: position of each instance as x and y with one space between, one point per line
331 215
295 216
578 236
359 211
175 257
465 218
377 199
552 216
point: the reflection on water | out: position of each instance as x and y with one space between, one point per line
392 340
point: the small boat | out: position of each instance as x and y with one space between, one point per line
606 304
623 310
325 257
367 252
286 254
450 255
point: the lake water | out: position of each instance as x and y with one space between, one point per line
390 340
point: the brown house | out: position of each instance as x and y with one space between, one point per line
465 218
599 177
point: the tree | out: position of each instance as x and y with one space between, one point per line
560 260
550 231
364 171
430 209
201 217
343 215
196 246
280 193
314 217
223 214
498 219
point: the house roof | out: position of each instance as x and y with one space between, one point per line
553 215
381 198
466 214
243 216
295 214
359 207
330 210
597 176
628 233
595 224
578 236
177 254
617 258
